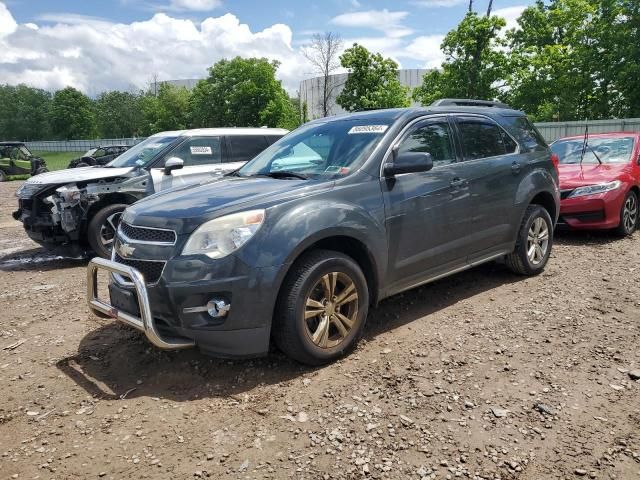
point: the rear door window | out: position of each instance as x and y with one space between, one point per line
526 133
481 138
243 148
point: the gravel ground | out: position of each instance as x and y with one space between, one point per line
481 375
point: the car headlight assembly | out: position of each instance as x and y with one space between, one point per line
219 237
595 189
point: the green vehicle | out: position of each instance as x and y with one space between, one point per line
17 160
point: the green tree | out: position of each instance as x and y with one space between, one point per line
24 113
241 92
372 82
576 59
170 109
474 65
72 115
119 114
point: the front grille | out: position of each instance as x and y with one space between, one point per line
565 193
150 269
25 204
146 234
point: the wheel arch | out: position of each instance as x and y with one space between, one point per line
547 201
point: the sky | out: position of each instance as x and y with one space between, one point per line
99 45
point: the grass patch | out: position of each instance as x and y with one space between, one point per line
57 160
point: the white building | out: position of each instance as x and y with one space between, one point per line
311 90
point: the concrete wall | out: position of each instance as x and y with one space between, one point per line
312 88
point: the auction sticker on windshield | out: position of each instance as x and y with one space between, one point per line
368 129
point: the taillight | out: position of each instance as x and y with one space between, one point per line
556 160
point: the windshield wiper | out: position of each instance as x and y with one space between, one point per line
594 154
283 174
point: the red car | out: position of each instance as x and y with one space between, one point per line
599 181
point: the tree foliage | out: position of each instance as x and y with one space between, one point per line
474 65
241 92
372 81
72 115
23 112
576 59
118 115
324 55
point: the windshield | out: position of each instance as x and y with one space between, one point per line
90 152
608 150
319 151
142 153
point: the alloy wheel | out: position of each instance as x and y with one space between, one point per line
537 241
630 213
109 228
331 309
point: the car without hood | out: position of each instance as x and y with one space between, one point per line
100 155
337 215
599 181
80 208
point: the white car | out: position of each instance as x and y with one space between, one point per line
82 207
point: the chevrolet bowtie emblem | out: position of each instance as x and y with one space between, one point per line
124 250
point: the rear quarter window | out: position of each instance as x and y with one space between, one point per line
526 133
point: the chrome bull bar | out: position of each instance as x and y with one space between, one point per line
146 323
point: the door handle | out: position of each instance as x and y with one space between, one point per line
515 167
457 183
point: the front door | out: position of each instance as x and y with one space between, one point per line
427 213
202 157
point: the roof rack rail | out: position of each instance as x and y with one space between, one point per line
467 102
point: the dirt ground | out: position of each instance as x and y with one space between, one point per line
481 375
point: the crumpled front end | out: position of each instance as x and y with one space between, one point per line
55 215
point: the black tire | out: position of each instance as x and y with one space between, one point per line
81 165
3 176
291 331
628 215
41 170
108 217
519 261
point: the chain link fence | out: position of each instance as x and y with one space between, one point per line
550 131
79 145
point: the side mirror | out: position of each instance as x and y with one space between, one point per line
173 163
408 162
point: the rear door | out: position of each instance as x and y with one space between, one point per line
427 213
494 170
202 157
242 148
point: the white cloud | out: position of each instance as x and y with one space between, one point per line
195 5
94 55
427 50
510 14
382 20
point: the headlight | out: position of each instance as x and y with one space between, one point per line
219 237
594 189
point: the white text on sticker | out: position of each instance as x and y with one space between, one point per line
200 150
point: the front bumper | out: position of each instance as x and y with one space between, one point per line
592 212
169 311
145 322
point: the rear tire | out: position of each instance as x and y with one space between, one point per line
102 228
322 308
3 176
628 215
41 170
533 246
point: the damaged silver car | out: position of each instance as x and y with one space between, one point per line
80 208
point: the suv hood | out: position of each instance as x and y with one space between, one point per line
573 176
72 175
185 209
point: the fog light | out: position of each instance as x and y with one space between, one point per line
218 308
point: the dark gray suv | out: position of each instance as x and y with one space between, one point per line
296 245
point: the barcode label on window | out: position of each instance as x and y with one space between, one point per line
201 150
368 129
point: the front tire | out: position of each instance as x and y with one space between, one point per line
628 215
101 231
322 308
533 246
